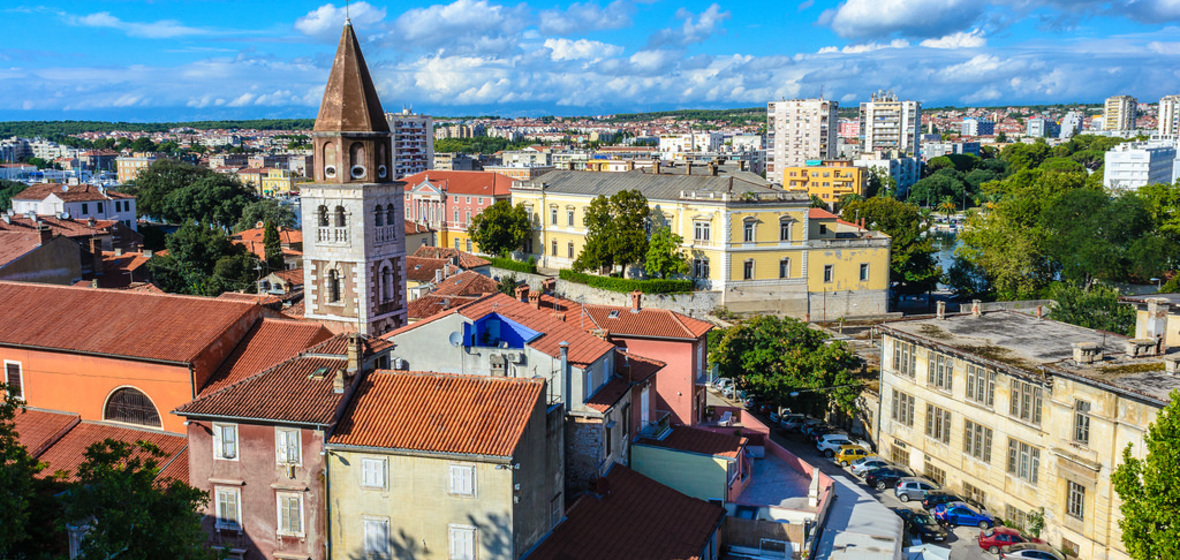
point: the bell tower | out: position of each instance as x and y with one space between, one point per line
353 213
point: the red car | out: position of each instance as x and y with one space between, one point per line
995 539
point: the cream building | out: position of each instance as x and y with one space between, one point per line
128 168
1119 113
761 248
1168 118
1019 413
798 131
889 124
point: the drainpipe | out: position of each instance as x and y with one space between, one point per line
567 386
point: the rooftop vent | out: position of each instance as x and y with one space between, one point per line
1087 352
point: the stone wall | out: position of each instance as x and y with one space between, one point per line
697 304
583 453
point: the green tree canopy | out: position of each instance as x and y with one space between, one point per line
266 210
1097 307
274 247
912 269
1148 494
930 191
9 189
501 228
175 192
665 255
203 261
616 231
17 478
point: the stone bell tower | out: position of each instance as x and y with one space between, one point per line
353 215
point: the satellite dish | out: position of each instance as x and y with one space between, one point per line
456 338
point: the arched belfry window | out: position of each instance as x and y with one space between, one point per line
340 218
389 215
131 406
333 286
323 212
387 283
356 160
379 216
330 160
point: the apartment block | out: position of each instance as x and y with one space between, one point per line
1168 117
829 180
1136 164
1119 113
798 131
887 123
977 127
413 142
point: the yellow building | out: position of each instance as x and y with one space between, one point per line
278 182
829 180
439 466
761 248
128 168
1020 413
252 177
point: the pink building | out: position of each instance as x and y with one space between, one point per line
448 200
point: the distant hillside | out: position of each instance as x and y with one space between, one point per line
30 129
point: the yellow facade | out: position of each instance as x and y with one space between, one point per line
277 182
128 168
829 181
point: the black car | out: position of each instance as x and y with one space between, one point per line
921 525
935 497
886 477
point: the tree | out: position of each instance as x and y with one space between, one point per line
942 184
203 261
773 357
664 254
266 210
273 246
967 280
1097 307
507 284
912 269
9 189
175 192
880 183
18 470
1147 489
616 231
817 202
129 513
500 228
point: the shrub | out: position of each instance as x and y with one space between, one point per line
514 265
628 285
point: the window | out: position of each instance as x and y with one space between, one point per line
373 472
131 406
376 538
229 508
1075 500
469 245
938 423
553 215
85 208
784 229
553 248
864 272
1017 518
1026 401
467 218
700 230
468 201
14 379
379 216
700 268
1024 460
390 214
977 441
333 286
903 408
784 268
479 200
823 229
455 217
569 250
981 385
225 442
1081 422
941 372
898 455
748 270
974 494
569 217
340 220
828 270
462 480
288 448
936 474
290 516
748 231
905 358
387 283
462 542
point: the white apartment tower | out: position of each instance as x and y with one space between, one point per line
798 130
1119 113
887 124
354 258
1169 116
413 142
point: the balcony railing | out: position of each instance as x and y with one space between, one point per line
656 428
332 235
385 234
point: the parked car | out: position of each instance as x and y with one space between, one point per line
913 488
861 467
829 444
821 431
792 422
959 513
810 424
1030 551
849 453
1000 538
921 525
887 476
936 497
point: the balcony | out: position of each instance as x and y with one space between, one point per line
385 234
332 235
657 428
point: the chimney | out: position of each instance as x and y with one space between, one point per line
259 225
96 255
655 166
522 293
1157 318
713 168
1087 352
356 351
941 306
630 165
975 309
1040 312
438 275
45 233
636 300
742 164
567 384
338 381
147 253
549 285
535 299
118 251
688 167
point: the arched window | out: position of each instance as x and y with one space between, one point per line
329 160
333 286
784 229
387 282
323 212
390 216
340 216
131 406
356 160
379 216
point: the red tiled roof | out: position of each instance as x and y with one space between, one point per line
430 304
176 469
67 453
636 367
820 214
584 347
466 260
16 244
72 228
608 395
114 322
420 269
647 322
260 299
145 287
696 440
286 235
298 390
439 413
68 193
293 276
269 343
414 228
296 310
474 183
636 518
466 283
39 429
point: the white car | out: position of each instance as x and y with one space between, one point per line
829 444
862 466
1029 551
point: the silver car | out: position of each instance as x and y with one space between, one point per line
913 488
861 466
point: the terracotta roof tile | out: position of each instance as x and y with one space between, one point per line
584 348
72 228
260 299
269 343
286 235
67 453
636 518
38 429
296 310
68 193
474 183
298 390
430 304
176 469
419 269
608 395
115 322
466 260
293 276
439 413
696 440
622 321
636 367
16 244
466 283
414 228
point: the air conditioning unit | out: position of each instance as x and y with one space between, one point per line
291 471
515 357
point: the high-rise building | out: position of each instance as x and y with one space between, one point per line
887 124
1040 127
1071 124
1169 116
353 212
1119 113
977 127
798 131
1133 164
413 142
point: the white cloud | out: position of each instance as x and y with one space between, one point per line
696 27
652 60
580 18
911 18
163 29
325 22
582 49
463 24
960 40
866 47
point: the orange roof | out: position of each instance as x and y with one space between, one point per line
68 227
419 269
39 429
413 228
298 390
68 193
696 440
260 299
286 235
465 260
132 324
635 367
475 183
295 311
606 397
270 342
67 454
439 413
293 276
584 347
430 304
647 322
466 283
632 516
16 244
820 214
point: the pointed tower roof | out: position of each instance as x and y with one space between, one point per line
350 101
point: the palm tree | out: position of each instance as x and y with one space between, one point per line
948 208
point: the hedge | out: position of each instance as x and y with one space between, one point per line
628 285
514 265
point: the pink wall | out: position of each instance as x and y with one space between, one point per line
676 389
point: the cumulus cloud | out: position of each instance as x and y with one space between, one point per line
580 18
582 49
472 24
866 47
960 40
324 22
696 27
163 29
910 18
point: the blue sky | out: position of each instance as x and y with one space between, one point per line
204 59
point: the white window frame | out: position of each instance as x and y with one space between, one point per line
218 447
382 465
469 534
380 524
283 448
456 483
222 520
20 372
280 524
1075 500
